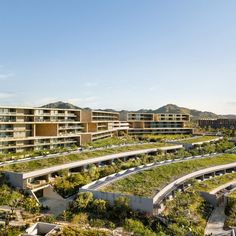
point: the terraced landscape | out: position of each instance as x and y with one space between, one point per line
38 164
198 139
149 182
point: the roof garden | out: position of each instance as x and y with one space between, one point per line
211 184
49 162
198 139
148 183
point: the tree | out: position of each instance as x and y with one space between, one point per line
83 200
99 206
80 218
121 207
93 172
31 205
137 228
14 201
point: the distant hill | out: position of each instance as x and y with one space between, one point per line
61 105
169 108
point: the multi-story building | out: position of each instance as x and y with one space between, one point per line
101 124
24 129
150 123
217 123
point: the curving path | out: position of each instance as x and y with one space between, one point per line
216 222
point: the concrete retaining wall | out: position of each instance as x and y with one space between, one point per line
136 203
15 179
210 198
49 192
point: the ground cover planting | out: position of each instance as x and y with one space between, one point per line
149 182
210 184
43 163
198 139
230 210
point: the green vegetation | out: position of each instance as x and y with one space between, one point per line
163 137
86 211
47 162
232 194
230 210
107 142
15 200
198 139
76 231
67 185
187 212
11 230
186 215
147 183
20 155
213 183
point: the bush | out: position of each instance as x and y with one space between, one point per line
48 218
80 218
137 228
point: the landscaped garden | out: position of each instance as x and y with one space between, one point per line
188 211
68 184
198 139
87 212
187 214
162 137
230 210
15 200
47 162
113 141
147 183
210 184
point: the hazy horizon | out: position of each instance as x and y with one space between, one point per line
119 54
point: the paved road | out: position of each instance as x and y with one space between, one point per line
216 222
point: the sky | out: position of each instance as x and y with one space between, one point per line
120 54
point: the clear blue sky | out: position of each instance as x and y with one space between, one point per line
121 54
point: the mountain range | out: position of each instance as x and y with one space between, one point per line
169 108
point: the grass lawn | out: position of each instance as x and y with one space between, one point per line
148 183
47 162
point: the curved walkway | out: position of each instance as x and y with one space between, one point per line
216 222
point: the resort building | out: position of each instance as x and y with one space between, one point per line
101 124
150 123
217 123
25 129
32 129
